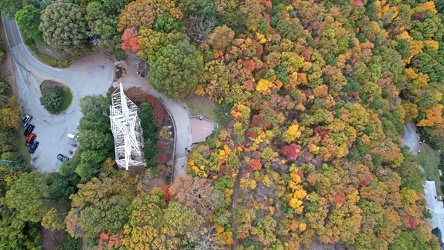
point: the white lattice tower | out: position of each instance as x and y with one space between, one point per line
125 125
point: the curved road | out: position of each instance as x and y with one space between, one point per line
86 76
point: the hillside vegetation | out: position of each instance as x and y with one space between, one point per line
315 94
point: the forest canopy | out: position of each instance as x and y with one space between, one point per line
316 94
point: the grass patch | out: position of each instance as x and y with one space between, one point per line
46 54
67 99
200 105
429 160
66 95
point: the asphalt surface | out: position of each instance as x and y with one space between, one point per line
90 75
411 138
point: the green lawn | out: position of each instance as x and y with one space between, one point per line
67 99
428 159
200 105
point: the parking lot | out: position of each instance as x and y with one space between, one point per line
89 75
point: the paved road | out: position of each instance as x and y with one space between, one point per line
92 74
87 76
411 138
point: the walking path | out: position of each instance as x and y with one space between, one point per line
178 113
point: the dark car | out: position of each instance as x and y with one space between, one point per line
62 157
33 147
30 139
26 119
29 130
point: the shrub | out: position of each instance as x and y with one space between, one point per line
164 132
161 159
63 63
119 72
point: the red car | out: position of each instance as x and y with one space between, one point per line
30 139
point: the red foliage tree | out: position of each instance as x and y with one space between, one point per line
411 221
167 195
158 114
257 121
161 154
292 151
249 85
339 198
254 165
251 133
136 94
130 41
161 159
250 65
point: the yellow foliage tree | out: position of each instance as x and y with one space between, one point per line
411 111
292 133
424 7
302 226
264 86
432 44
415 48
433 116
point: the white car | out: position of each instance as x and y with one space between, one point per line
26 119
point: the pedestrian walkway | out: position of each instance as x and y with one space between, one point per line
179 114
201 128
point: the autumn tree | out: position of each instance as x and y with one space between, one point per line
129 41
177 69
107 215
100 205
144 227
64 27
53 220
9 113
138 13
196 193
28 196
221 37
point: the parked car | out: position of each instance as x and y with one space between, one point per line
29 130
33 147
26 119
30 139
62 157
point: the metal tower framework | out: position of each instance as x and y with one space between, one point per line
125 125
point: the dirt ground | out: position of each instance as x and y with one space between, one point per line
51 239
